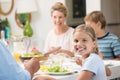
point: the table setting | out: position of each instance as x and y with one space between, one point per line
59 67
74 70
65 68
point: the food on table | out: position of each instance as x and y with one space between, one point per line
57 69
28 56
16 56
44 68
31 55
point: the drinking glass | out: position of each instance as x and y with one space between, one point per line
17 57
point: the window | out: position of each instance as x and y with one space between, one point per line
77 11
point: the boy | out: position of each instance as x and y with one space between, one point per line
108 43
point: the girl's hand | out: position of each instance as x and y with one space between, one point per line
79 61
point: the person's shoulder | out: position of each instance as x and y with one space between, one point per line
113 36
108 36
94 57
70 30
51 32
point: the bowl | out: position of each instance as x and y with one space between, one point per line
24 58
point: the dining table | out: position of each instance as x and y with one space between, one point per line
114 66
71 75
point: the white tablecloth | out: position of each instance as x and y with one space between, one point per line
112 64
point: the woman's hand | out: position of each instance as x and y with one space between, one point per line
57 50
36 51
54 49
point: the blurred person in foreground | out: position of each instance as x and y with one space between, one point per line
11 70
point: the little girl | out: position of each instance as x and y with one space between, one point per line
85 45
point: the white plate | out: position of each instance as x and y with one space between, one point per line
56 73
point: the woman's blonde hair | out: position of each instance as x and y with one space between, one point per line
89 31
59 7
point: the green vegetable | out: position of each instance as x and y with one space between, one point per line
57 69
38 55
63 70
31 55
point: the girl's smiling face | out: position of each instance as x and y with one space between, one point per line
83 43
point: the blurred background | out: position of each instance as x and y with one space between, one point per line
41 19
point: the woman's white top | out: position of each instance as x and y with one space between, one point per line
64 40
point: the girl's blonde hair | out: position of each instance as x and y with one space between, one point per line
59 7
89 31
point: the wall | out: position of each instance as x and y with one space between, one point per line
92 5
111 10
112 13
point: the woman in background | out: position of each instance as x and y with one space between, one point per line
61 36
